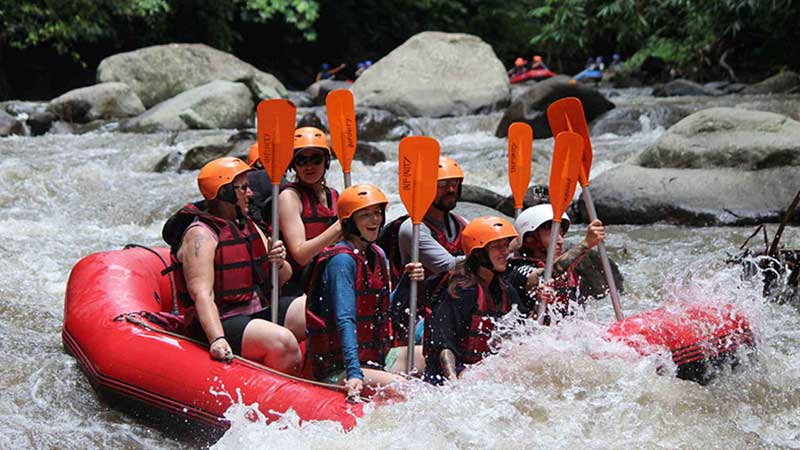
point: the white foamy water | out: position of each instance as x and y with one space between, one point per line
63 197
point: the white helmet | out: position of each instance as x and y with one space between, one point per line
532 218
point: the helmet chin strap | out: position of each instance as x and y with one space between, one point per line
352 229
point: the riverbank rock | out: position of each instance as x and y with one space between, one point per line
373 124
101 101
10 125
435 74
40 122
319 89
535 195
593 279
681 87
627 120
531 107
301 99
786 81
160 72
727 137
219 104
368 154
629 194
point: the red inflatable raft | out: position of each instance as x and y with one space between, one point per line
701 338
106 328
532 74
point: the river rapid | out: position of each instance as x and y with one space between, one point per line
63 197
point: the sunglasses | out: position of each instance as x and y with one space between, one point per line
242 187
302 160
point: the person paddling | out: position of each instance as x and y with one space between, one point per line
308 206
469 299
348 300
222 269
526 267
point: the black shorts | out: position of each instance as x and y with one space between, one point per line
234 327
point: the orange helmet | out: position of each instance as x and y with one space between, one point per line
218 173
484 230
252 155
359 196
449 168
537 59
519 62
310 137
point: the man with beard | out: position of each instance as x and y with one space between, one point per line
439 236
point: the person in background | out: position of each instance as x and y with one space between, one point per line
347 312
222 263
526 267
328 73
538 63
519 67
468 301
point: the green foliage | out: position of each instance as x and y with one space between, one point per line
300 13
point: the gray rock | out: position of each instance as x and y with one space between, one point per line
198 156
219 104
535 195
681 87
531 107
300 99
786 81
19 107
435 74
40 122
626 120
368 154
164 71
170 163
10 125
593 279
629 194
318 91
727 137
101 101
373 124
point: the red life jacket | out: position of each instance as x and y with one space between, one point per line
323 345
240 260
566 285
316 217
481 325
454 248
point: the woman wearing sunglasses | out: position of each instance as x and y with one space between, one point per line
307 206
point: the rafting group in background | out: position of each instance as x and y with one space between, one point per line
345 274
536 70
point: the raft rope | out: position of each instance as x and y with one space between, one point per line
166 266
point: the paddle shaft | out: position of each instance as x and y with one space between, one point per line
276 190
347 182
516 212
612 285
548 267
412 302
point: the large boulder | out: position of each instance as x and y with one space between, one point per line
531 107
101 101
10 125
373 124
727 137
629 194
786 81
627 120
435 74
219 104
682 87
164 71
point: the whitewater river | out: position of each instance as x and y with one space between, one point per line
63 197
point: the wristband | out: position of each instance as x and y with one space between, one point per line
216 339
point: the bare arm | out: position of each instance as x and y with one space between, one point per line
197 257
447 359
294 233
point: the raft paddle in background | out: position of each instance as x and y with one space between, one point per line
276 123
418 167
341 110
567 114
564 172
520 152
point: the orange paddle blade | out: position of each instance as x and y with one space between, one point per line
341 110
520 152
276 119
418 169
567 114
564 172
